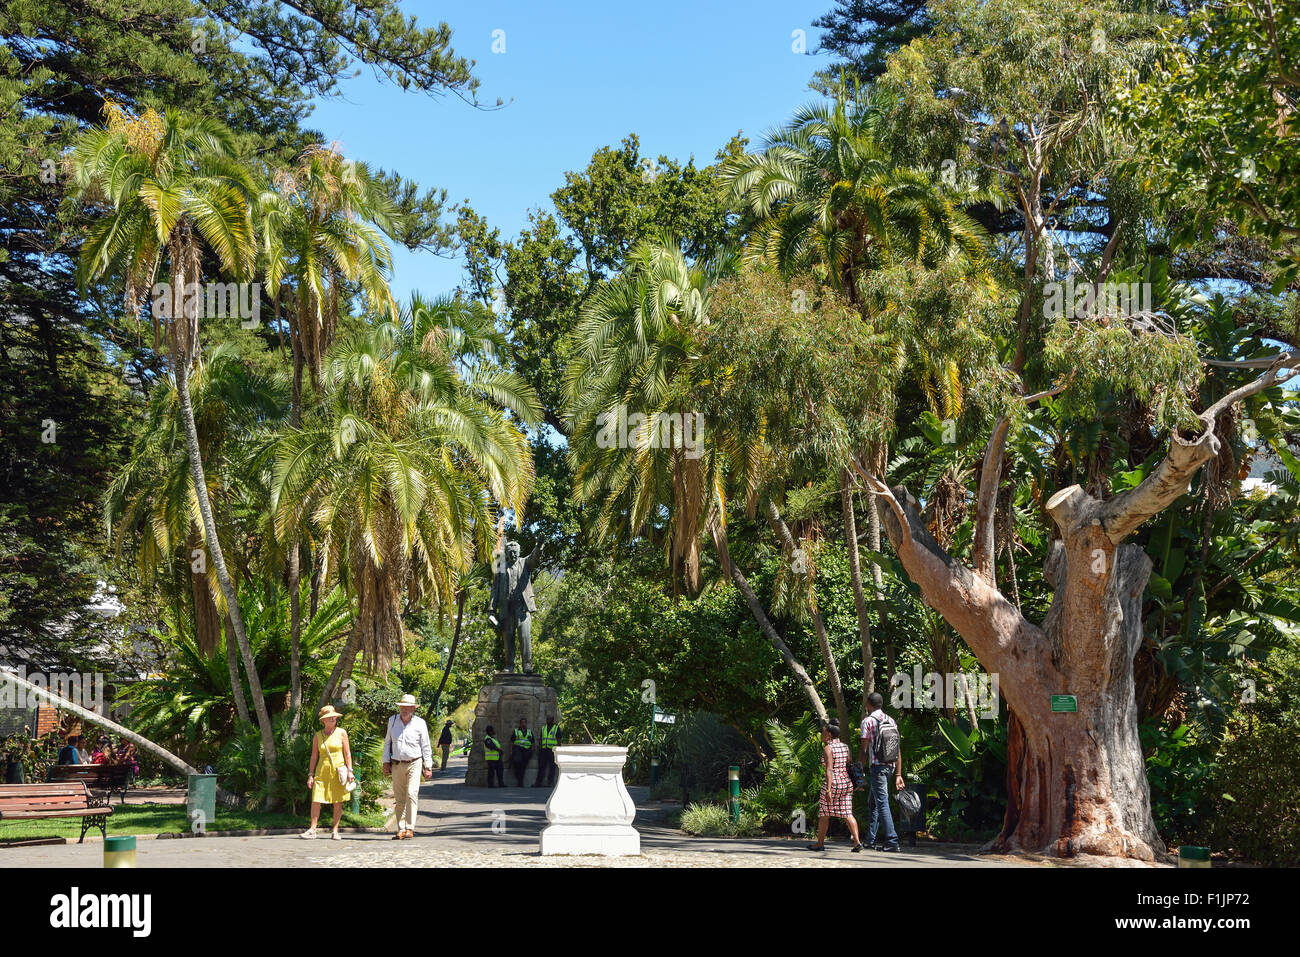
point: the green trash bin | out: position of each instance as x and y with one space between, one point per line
356 799
201 802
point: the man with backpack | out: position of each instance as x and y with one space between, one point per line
880 740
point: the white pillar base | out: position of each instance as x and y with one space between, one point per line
607 841
590 811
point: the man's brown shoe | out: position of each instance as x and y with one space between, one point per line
398 835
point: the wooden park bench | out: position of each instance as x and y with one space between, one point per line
23 802
97 777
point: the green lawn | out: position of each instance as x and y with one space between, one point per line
170 818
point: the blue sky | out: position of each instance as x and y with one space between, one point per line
683 76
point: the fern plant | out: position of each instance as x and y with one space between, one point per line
793 777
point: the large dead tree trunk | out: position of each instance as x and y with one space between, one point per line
1076 782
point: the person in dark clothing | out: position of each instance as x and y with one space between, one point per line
444 744
68 753
546 754
521 750
492 755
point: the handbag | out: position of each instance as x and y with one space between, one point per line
856 777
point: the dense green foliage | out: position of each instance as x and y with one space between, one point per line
875 284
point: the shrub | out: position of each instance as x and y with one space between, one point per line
792 778
714 820
1257 776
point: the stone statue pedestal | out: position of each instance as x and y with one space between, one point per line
501 704
590 811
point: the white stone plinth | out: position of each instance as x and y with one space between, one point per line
590 811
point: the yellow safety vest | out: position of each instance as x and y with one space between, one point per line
492 753
523 738
550 736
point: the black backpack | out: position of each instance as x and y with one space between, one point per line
884 747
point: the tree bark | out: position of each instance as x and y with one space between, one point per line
236 683
207 618
819 626
855 576
295 639
451 655
878 583
1076 782
181 362
341 667
94 717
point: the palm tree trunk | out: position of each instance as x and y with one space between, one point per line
97 719
878 582
236 683
314 601
216 554
819 626
719 534
295 640
833 673
94 717
451 656
855 576
341 667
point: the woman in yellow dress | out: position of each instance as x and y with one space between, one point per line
330 753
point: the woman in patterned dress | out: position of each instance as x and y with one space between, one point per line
837 791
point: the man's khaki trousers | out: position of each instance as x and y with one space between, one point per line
406 793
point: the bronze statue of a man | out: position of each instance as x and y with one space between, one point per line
512 603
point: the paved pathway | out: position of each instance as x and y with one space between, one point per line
482 827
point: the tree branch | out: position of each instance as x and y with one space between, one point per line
994 628
1123 514
986 503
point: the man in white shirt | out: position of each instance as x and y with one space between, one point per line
406 745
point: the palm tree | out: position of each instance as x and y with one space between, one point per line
636 338
320 228
826 197
173 187
638 344
402 464
150 506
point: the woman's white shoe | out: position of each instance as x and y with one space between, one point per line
309 834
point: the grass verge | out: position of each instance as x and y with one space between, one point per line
171 818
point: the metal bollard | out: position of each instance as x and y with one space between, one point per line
119 851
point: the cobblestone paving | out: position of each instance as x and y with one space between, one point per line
478 827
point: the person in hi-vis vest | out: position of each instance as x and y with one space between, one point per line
550 735
492 755
521 750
